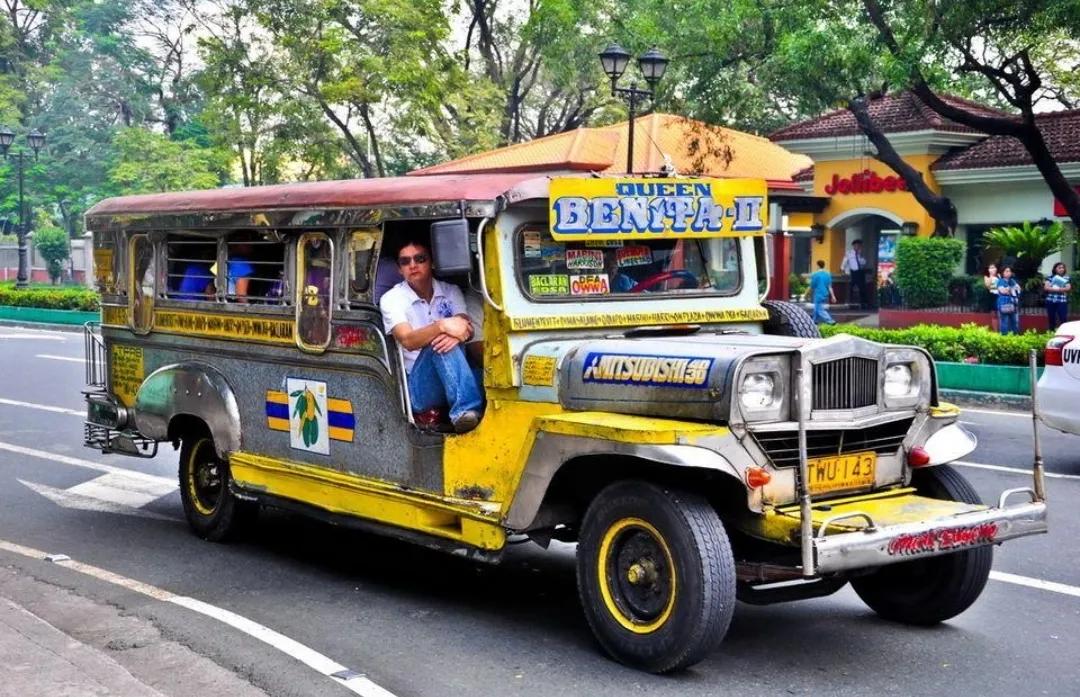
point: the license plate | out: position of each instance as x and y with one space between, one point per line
841 472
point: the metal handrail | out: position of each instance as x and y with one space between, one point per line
1037 472
871 526
94 355
480 263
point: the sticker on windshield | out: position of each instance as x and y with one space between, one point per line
591 284
636 255
549 284
577 259
531 244
654 371
552 251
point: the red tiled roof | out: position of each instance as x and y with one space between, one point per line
896 113
804 175
1060 129
692 145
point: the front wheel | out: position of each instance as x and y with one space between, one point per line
212 511
655 574
932 590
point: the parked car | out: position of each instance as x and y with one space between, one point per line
1059 386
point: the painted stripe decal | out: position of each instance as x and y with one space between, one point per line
340 419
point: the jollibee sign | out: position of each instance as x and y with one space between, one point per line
597 209
864 182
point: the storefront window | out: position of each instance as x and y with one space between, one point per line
553 270
315 274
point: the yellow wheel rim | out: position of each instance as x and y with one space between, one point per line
194 468
650 572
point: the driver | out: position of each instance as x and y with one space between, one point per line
430 321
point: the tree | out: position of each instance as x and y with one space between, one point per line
148 162
1001 43
52 244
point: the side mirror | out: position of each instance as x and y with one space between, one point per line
450 247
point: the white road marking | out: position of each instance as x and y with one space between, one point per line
1013 470
126 488
72 359
1038 583
66 459
41 407
352 680
996 412
42 335
81 502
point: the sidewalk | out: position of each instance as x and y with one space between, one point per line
55 642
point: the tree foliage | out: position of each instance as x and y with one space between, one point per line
52 244
924 266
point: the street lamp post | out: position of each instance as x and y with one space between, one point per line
36 141
652 63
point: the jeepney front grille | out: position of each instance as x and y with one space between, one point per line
845 383
782 447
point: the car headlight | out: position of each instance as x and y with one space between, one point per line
898 380
758 391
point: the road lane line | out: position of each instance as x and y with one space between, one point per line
72 359
1013 470
1038 583
41 407
46 337
996 412
351 680
68 460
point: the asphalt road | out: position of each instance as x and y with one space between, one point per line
420 623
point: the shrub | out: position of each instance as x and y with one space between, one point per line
52 244
1026 246
51 298
797 285
924 266
953 344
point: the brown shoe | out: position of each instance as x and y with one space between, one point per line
466 421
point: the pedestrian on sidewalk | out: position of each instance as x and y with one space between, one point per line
1057 288
854 264
1008 302
990 280
821 291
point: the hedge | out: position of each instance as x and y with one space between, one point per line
51 298
970 342
924 266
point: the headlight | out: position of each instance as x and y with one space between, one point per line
898 380
758 391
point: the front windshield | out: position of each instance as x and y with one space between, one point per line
631 268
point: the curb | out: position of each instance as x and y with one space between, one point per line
41 315
987 400
41 326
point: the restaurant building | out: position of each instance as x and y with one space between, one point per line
991 180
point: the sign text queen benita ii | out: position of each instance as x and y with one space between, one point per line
655 206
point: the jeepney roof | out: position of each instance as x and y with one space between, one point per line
387 192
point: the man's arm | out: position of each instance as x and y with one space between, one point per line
414 339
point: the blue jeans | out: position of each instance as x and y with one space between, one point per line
1009 322
821 314
1056 314
441 379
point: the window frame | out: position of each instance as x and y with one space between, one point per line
134 284
301 261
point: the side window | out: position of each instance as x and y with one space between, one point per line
189 259
314 280
255 268
361 248
143 281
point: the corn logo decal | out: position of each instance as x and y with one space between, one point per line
308 415
306 409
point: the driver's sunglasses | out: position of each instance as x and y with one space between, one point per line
418 258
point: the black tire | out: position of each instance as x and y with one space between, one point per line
655 575
788 319
932 590
211 509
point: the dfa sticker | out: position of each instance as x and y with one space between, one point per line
541 284
308 416
590 284
635 255
579 259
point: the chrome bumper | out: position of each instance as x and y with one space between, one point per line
877 546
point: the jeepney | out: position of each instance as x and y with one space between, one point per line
699 444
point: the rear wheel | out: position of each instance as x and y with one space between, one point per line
655 574
788 319
931 590
212 511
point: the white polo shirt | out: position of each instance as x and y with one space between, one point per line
402 304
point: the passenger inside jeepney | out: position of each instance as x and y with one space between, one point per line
431 321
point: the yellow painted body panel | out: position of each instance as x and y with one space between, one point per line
886 508
626 428
945 410
469 522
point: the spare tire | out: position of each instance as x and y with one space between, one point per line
788 319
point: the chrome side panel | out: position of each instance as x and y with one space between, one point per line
551 451
191 388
